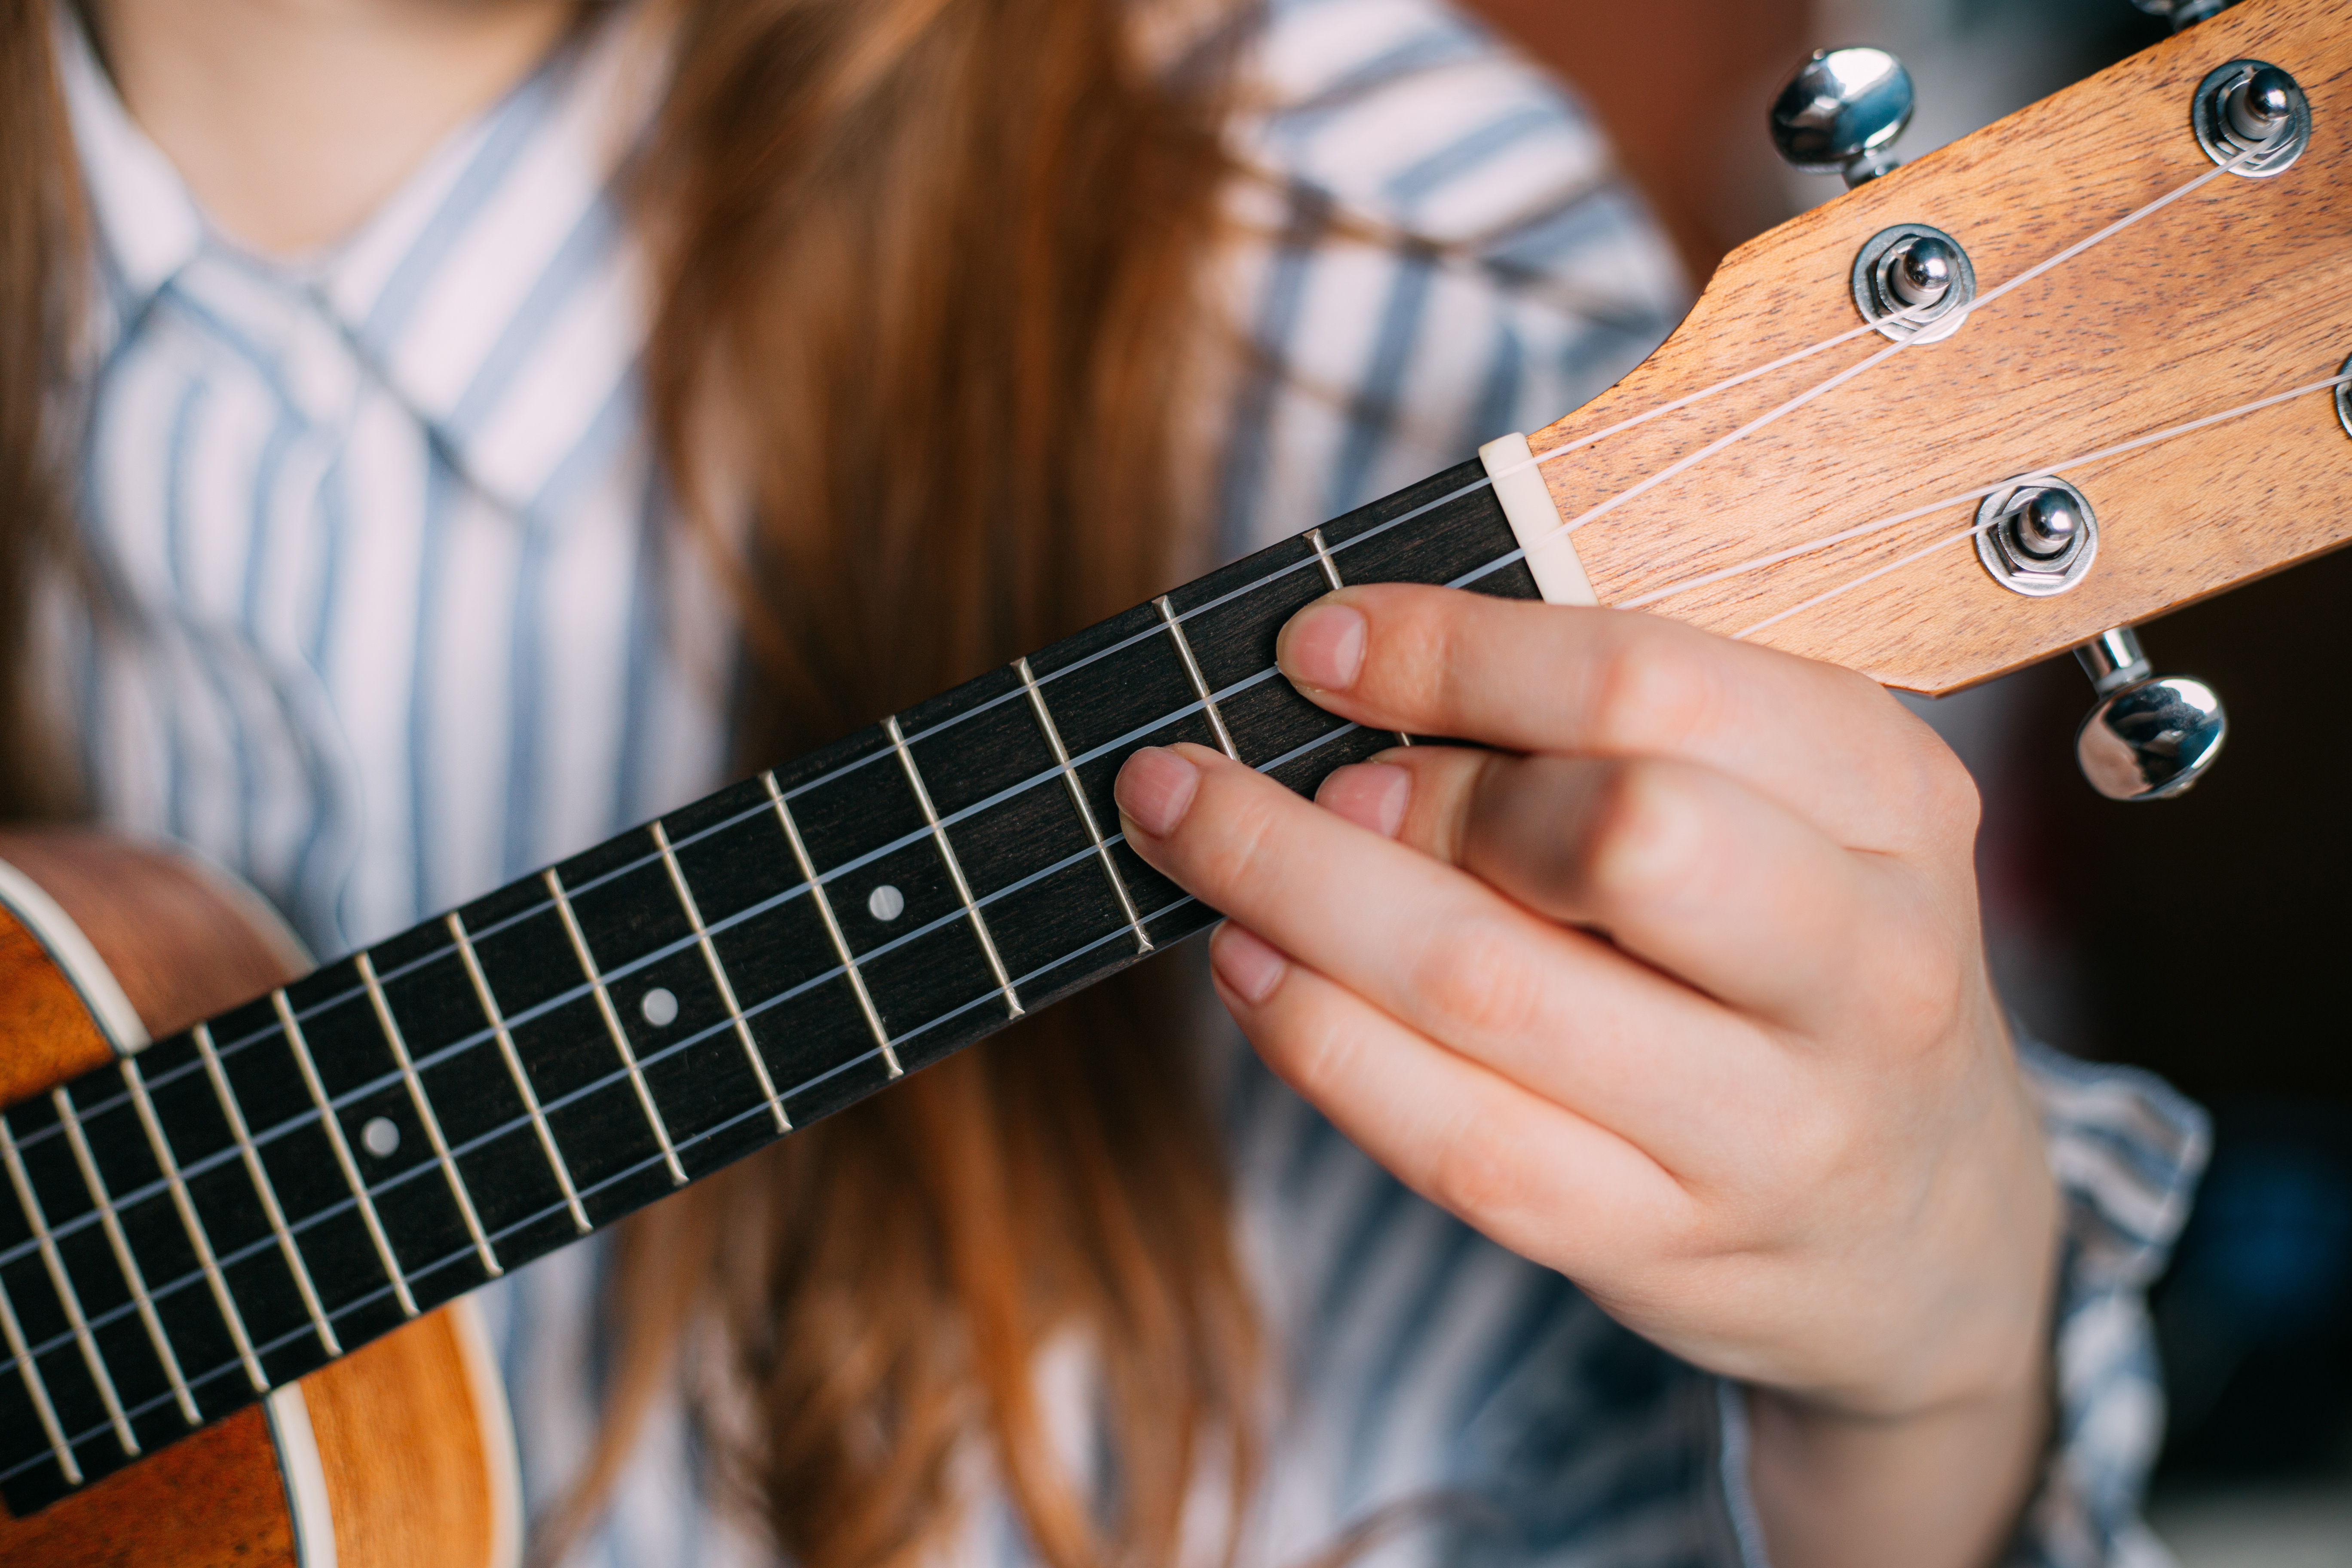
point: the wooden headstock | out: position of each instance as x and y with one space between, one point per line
2241 289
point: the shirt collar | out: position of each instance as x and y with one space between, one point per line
429 290
149 224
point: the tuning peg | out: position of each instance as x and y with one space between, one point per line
2183 13
1842 111
2148 737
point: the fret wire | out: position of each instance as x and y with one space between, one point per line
626 1173
514 1069
955 869
38 1387
341 1146
161 1146
426 1115
1274 575
67 1297
1192 669
719 978
1324 550
203 1036
1078 798
613 1024
788 995
832 925
132 1273
1331 575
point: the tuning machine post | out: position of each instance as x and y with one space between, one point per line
2148 736
1841 113
2184 14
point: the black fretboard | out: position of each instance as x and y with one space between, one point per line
235 1206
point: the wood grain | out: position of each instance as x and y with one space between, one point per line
402 1448
45 1035
210 1501
399 1435
2241 289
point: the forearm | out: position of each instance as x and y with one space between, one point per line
1942 1490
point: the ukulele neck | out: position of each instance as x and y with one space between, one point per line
235 1206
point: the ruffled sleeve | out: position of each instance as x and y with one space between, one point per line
2126 1150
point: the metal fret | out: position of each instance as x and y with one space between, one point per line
67 1296
1193 670
514 1071
831 926
719 978
68 1118
203 1036
37 1389
1085 812
170 1165
955 869
342 1148
425 1115
613 1025
1331 575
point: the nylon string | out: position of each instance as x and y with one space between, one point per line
1550 453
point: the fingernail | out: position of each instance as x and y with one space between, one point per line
1155 789
1248 966
1369 795
1323 646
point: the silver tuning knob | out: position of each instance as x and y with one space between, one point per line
2148 737
2183 13
1841 112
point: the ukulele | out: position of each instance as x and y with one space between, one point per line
2082 367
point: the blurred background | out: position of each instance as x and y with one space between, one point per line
2199 937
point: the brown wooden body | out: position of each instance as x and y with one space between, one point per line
410 1432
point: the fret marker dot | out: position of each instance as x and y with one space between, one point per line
886 903
659 1007
380 1137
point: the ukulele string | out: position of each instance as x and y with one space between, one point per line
1550 454
1547 455
2057 258
2137 444
1945 503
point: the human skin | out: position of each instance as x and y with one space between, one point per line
1679 991
292 120
1774 1125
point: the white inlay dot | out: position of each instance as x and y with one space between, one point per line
886 903
659 1007
380 1137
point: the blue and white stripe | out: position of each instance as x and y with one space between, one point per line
389 608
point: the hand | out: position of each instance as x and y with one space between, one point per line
1681 993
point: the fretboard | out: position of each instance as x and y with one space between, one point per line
234 1206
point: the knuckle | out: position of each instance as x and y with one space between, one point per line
1412 664
1247 828
1653 690
1471 1176
1474 974
1647 837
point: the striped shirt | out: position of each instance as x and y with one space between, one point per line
333 505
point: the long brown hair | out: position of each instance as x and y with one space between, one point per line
928 295
41 271
931 272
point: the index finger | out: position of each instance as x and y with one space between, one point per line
1825 742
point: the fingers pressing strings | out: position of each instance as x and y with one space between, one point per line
1831 747
1678 865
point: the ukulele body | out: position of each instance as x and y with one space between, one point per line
401 1452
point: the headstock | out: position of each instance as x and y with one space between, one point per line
2233 293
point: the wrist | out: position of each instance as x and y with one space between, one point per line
1939 1487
